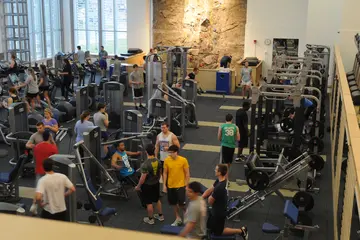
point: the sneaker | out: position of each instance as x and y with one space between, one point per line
244 234
149 221
141 106
177 223
33 209
240 158
158 217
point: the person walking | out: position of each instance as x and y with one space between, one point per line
51 191
137 83
67 79
228 135
44 83
176 177
103 55
149 185
246 80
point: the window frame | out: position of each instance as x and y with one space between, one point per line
101 29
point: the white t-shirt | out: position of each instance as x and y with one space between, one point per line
81 56
53 187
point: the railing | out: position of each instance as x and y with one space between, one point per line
345 144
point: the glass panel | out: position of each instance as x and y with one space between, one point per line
93 43
37 10
47 13
48 37
108 18
92 15
120 15
80 39
57 42
79 14
39 46
108 42
121 42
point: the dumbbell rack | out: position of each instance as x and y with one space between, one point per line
17 29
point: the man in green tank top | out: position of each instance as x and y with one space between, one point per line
228 134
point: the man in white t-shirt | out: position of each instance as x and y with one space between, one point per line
81 56
51 192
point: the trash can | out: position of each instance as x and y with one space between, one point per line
223 82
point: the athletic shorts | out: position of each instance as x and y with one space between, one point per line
61 216
216 225
176 196
104 135
150 193
32 95
243 143
227 154
44 88
137 92
245 83
103 64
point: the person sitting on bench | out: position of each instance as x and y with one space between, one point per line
120 161
192 76
195 216
217 198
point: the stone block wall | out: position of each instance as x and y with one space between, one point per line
213 28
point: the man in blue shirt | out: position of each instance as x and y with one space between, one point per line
120 161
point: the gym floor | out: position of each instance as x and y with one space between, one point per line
201 148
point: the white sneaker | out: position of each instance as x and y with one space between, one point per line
33 209
149 221
160 218
177 223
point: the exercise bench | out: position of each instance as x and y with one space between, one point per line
291 213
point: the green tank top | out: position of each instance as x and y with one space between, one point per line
228 135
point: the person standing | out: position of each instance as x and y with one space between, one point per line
225 61
117 67
67 79
176 177
82 126
164 140
101 119
37 137
51 191
246 80
149 185
195 215
13 96
103 55
137 83
228 135
242 122
81 56
218 198
44 83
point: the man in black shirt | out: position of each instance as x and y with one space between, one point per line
225 61
218 198
149 185
241 122
192 76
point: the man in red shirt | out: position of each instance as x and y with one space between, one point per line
41 152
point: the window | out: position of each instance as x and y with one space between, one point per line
109 29
44 28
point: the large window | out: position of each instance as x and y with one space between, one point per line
44 28
100 22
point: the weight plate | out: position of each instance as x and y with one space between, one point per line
257 180
287 124
287 111
303 200
315 142
309 183
317 125
316 162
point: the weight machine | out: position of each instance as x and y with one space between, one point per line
268 180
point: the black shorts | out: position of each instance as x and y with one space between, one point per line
150 193
176 196
243 143
32 95
227 154
104 136
61 216
138 92
44 88
216 225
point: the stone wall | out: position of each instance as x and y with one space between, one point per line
213 28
